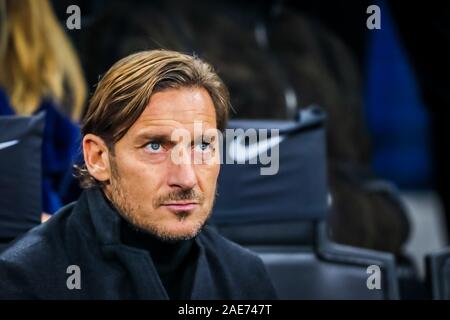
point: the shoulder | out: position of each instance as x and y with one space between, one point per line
22 265
35 244
41 241
32 260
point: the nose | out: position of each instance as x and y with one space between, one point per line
182 175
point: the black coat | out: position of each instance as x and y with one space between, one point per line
87 234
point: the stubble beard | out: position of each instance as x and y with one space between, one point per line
130 212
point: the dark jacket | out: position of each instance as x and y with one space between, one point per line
87 234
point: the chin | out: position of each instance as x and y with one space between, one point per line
181 230
173 230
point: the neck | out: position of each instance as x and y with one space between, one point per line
162 251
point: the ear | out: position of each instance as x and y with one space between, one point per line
96 157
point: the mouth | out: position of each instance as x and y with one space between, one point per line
181 206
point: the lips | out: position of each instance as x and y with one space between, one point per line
181 206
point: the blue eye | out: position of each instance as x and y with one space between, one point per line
154 147
204 146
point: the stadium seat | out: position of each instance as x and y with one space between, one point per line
20 175
282 218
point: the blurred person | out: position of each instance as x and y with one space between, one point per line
40 71
138 230
423 31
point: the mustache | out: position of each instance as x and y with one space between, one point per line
180 195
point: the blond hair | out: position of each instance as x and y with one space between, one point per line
37 59
125 90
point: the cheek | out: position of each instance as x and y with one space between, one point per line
207 176
140 180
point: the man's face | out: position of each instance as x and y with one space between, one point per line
170 199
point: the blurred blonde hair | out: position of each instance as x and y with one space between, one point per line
37 59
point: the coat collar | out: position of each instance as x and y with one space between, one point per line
105 218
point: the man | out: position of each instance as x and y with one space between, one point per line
138 230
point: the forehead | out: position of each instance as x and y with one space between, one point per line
175 108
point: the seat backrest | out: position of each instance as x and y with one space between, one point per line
281 217
296 186
438 274
20 174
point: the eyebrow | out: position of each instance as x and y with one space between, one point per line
205 137
147 136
